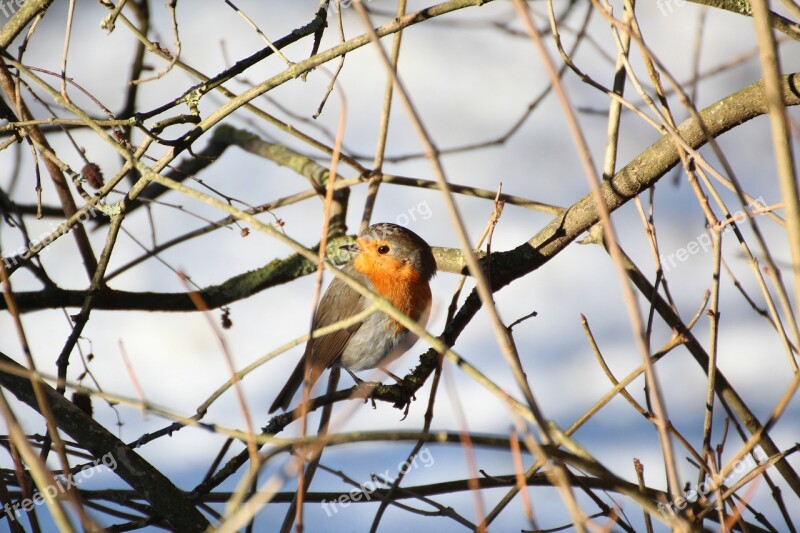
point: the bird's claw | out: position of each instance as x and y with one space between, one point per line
408 396
366 389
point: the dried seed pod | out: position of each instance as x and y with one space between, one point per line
82 401
93 175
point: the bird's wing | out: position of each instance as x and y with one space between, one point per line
339 302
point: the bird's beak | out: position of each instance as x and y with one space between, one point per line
352 248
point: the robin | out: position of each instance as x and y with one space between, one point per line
396 263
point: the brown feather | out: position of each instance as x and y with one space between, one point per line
338 303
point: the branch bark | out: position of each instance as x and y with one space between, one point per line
170 502
637 176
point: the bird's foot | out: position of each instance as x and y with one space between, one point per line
365 389
406 396
408 391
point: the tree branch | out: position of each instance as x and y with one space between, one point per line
169 501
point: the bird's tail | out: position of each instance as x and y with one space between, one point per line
288 391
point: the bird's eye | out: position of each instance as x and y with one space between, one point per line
383 249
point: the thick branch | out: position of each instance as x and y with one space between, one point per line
637 176
26 13
169 501
276 272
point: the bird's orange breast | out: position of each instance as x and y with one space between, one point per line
398 282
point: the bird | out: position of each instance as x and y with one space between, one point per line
396 263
